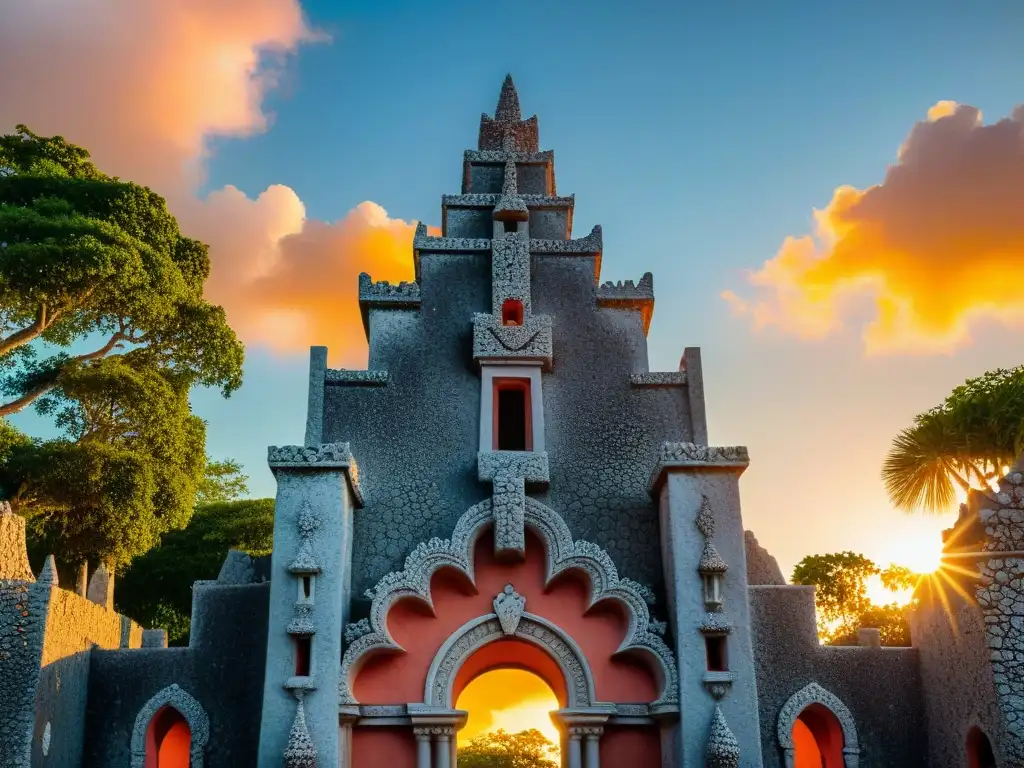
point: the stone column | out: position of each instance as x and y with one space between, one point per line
593 746
575 759
697 488
317 492
347 719
442 747
422 747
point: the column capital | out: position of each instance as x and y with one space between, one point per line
692 457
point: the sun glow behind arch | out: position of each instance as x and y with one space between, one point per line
512 700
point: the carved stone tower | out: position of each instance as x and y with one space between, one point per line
509 433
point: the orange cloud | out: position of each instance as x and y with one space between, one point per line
145 85
937 245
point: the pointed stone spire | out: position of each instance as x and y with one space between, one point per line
723 749
300 752
507 131
49 573
508 110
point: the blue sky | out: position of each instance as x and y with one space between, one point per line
699 135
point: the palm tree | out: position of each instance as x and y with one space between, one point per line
966 441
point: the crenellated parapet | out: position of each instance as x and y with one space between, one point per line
343 377
384 295
629 296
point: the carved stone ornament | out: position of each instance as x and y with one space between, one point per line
812 693
509 605
300 752
723 749
562 554
308 524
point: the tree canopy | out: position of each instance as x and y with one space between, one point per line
94 263
964 442
125 470
156 589
526 749
841 597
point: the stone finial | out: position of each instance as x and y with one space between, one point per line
869 637
300 752
723 749
508 109
101 587
48 575
154 638
13 555
511 206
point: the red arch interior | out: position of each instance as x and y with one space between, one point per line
818 739
168 740
979 750
512 654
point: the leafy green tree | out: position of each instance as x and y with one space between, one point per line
841 590
223 481
963 442
156 589
526 749
841 597
126 469
90 261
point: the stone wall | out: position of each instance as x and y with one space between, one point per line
880 686
222 669
959 692
1001 597
762 568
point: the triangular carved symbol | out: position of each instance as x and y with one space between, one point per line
509 605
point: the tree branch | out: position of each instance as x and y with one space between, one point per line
44 319
6 409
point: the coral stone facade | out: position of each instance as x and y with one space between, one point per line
508 484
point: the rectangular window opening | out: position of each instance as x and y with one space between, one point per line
307 586
511 227
513 426
303 654
512 312
716 651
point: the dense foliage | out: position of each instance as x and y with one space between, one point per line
104 328
125 470
965 441
156 589
841 597
90 261
526 749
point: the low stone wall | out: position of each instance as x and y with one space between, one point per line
880 686
222 669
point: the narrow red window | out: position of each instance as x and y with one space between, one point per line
513 423
303 648
716 651
512 312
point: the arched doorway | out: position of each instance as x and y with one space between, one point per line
817 739
171 731
979 750
510 700
168 740
816 730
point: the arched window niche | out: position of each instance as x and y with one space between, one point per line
171 731
816 730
